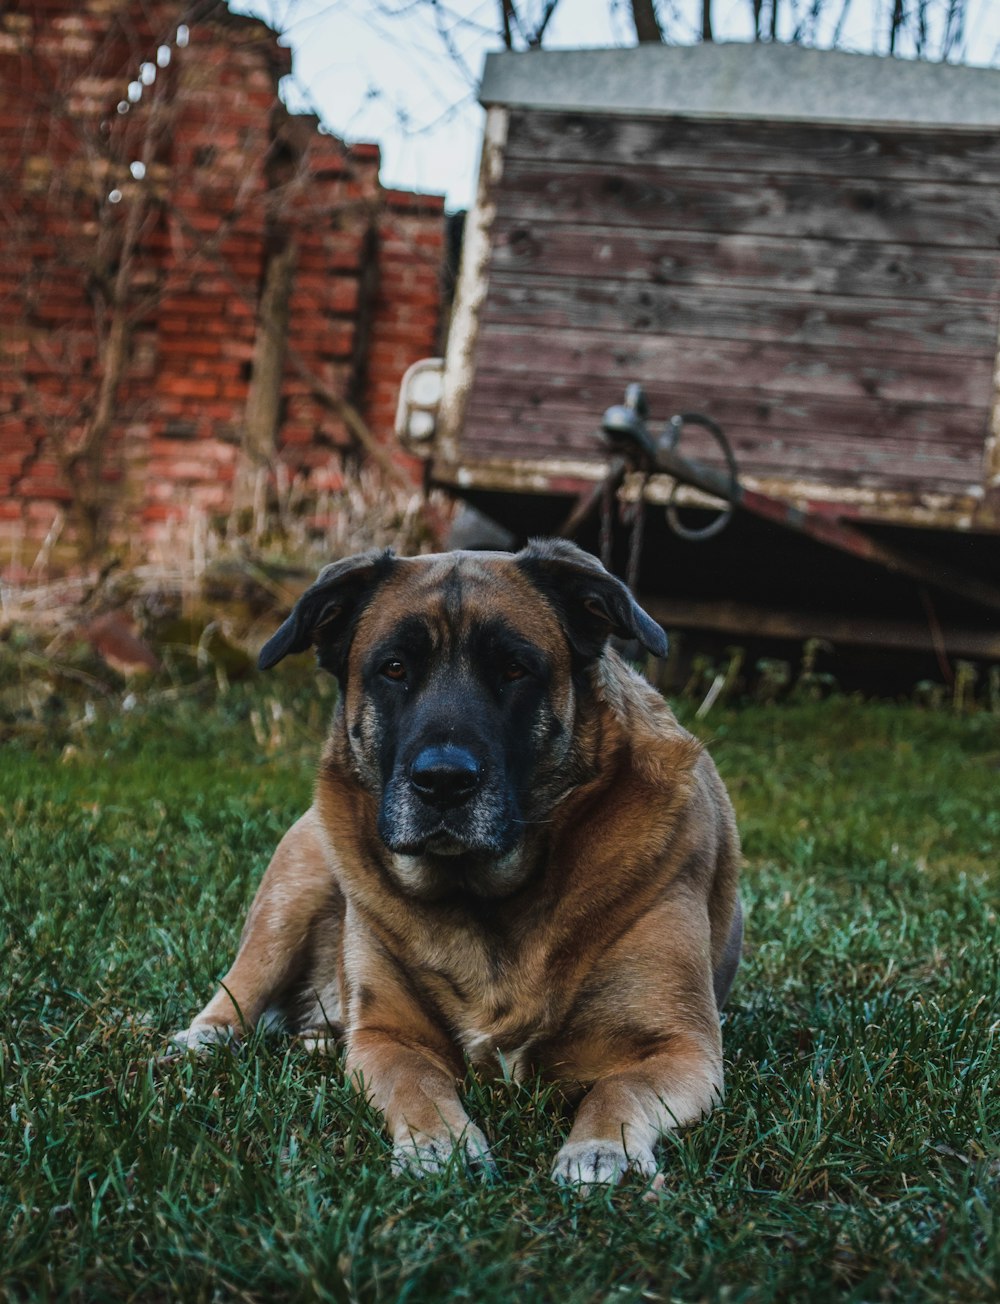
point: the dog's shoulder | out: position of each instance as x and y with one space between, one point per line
643 725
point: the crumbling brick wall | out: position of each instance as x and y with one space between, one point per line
165 116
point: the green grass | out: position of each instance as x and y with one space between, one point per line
856 1156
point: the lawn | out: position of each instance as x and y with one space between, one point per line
856 1156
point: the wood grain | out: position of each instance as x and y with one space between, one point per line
771 148
831 208
693 370
554 402
701 259
724 312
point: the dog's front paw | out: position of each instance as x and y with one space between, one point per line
586 1164
422 1155
321 1041
201 1037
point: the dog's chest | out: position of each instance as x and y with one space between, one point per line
497 1022
485 1050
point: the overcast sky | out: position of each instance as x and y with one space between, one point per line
404 73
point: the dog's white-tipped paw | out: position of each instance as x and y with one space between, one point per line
317 1042
201 1037
586 1164
425 1155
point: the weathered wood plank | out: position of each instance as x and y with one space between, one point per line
773 426
838 460
916 427
931 486
814 266
770 148
691 369
575 435
926 213
963 328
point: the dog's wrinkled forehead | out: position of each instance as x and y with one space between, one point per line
453 593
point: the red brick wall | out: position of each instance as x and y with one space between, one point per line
410 253
229 173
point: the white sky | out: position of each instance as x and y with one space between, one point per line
404 73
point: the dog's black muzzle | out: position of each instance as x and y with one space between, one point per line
448 800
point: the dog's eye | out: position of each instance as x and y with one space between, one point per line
394 670
513 670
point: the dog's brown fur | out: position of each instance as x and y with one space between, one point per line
597 951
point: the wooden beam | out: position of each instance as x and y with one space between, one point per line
470 293
747 621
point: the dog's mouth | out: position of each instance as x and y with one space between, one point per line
443 867
450 843
445 844
440 842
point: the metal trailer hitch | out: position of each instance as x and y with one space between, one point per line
625 431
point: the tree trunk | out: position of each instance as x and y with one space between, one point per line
898 18
508 18
647 25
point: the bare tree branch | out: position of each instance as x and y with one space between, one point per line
954 32
838 31
535 38
508 20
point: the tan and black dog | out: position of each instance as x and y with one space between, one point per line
515 855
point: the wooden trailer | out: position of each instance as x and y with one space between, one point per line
805 247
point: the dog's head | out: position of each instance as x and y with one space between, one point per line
459 678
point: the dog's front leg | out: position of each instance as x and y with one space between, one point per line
648 1040
629 1107
297 894
404 1061
415 1088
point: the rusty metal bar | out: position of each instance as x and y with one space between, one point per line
749 621
826 530
588 502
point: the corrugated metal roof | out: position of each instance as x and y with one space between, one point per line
769 82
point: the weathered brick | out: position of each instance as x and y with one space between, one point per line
188 386
200 271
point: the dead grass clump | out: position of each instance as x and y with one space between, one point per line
205 595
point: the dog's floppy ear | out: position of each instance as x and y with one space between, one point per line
326 612
591 603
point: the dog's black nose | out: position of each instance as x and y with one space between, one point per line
445 776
